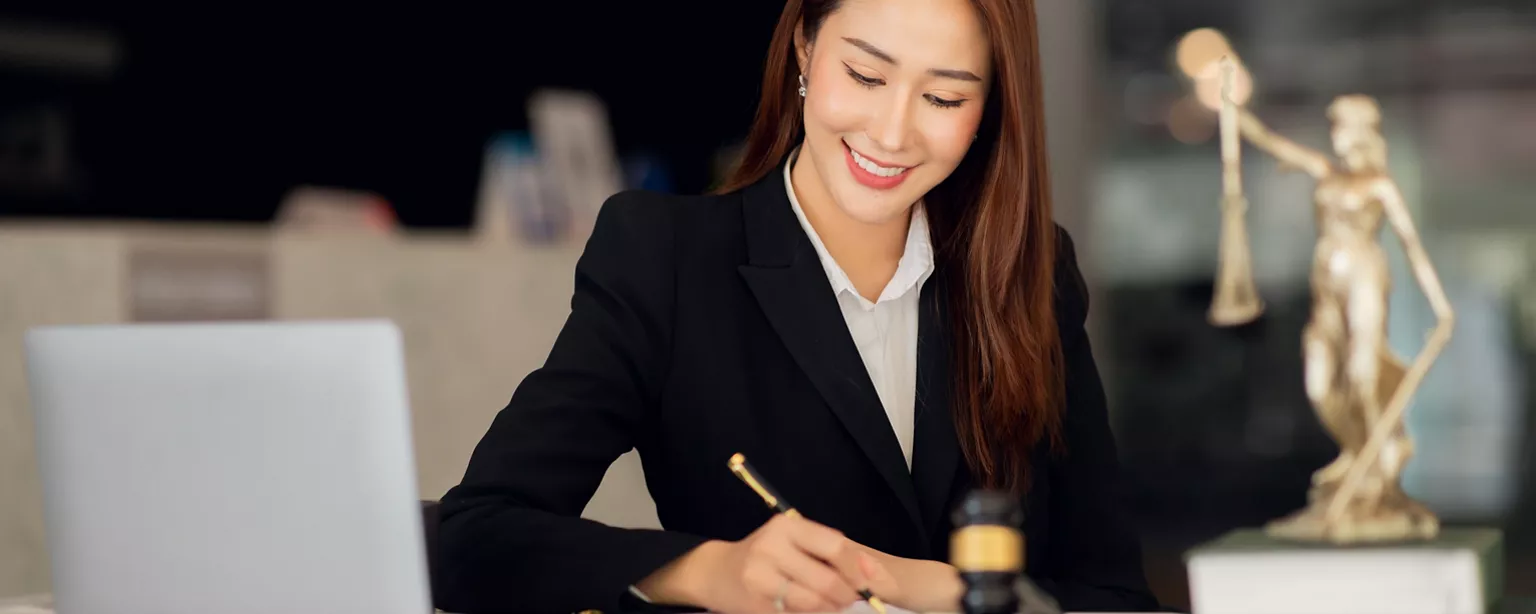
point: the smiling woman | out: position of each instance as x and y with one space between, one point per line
897 98
877 309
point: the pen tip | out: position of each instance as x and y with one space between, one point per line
737 459
874 602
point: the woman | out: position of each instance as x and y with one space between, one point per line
877 310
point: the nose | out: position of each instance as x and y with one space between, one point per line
890 126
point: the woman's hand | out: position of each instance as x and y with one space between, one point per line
789 563
912 584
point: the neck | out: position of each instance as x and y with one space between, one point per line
867 252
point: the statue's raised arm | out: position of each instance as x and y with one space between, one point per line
1287 151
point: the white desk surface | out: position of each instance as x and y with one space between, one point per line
43 604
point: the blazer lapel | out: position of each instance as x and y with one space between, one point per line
935 448
790 285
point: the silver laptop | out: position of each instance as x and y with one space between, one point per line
228 468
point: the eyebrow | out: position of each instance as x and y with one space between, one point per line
948 73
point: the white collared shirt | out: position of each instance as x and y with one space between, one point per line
885 331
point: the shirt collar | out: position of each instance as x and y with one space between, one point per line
914 268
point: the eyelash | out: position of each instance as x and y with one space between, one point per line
870 83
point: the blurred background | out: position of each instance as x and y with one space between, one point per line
439 165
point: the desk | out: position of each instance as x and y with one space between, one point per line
43 604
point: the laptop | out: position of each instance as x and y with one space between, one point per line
228 468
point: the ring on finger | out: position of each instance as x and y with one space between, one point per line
778 599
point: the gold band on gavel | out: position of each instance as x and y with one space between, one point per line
986 547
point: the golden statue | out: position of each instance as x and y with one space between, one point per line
1358 388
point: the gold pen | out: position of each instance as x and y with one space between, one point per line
744 471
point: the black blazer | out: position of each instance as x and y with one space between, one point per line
702 326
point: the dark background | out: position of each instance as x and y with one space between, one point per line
213 113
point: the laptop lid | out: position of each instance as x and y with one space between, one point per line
224 468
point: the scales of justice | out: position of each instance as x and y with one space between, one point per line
1358 388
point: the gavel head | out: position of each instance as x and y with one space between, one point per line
987 547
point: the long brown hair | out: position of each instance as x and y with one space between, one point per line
995 236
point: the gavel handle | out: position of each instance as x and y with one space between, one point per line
1033 600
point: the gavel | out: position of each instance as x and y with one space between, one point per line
987 547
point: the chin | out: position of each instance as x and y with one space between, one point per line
870 206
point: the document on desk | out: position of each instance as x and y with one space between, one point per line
863 608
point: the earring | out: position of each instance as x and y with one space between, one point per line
802 86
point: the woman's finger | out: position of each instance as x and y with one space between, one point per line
815 575
768 584
798 598
829 545
762 578
819 540
880 579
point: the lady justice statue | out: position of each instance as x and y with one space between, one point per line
1358 388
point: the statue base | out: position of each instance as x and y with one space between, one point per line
1400 519
1247 571
1380 511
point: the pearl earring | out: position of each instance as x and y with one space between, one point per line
802 86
